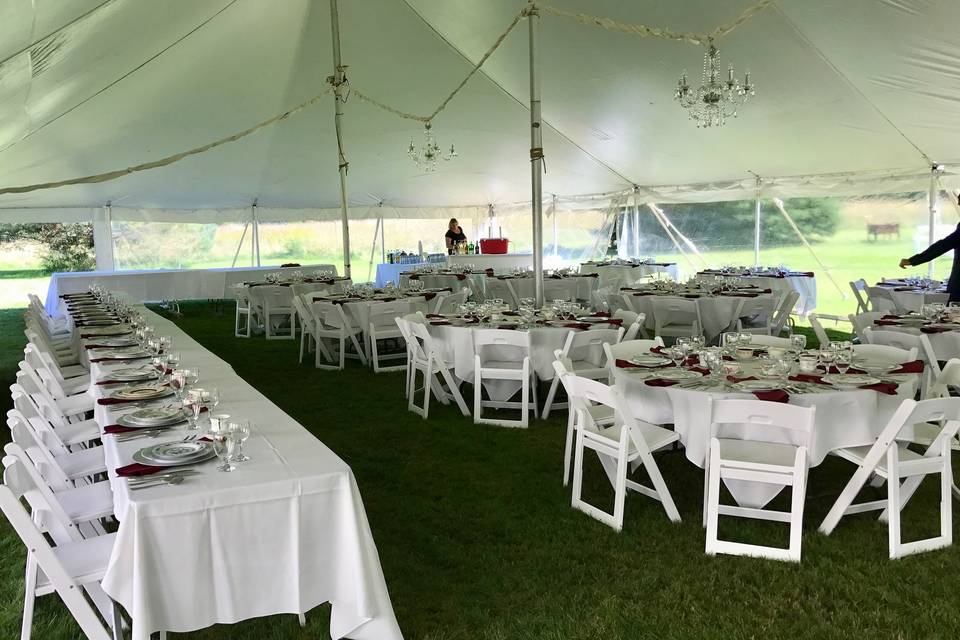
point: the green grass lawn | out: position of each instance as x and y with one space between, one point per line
478 541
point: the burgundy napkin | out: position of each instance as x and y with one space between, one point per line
429 295
886 284
507 326
733 294
887 323
120 359
806 274
644 293
439 323
890 316
614 321
583 326
691 295
700 370
657 350
888 388
934 329
461 276
414 277
774 395
910 367
600 314
806 377
660 382
116 429
904 289
87 336
735 379
511 313
137 469
97 346
434 315
591 275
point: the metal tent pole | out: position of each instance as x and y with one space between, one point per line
536 156
553 216
932 211
103 239
756 228
338 80
255 247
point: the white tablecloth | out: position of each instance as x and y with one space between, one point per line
500 263
628 274
284 533
914 300
805 285
391 272
473 281
843 419
945 345
164 284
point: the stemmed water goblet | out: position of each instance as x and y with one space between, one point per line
194 402
241 432
224 443
844 359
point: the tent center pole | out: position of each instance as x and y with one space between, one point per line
756 228
932 214
338 80
536 156
255 247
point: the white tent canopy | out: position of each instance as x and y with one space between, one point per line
853 97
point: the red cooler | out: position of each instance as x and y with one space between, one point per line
494 245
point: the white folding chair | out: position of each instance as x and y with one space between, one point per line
275 302
331 323
308 328
859 288
59 470
819 331
583 355
244 311
72 379
67 569
503 355
75 406
628 349
755 315
763 340
428 359
642 306
891 459
600 414
623 442
633 322
558 290
502 290
881 299
863 321
909 339
56 433
760 461
676 317
451 303
781 317
383 326
884 353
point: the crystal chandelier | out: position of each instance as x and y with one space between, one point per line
427 156
714 100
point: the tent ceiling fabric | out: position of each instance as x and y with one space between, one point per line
863 93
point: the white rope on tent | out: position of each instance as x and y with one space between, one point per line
954 195
443 105
656 214
796 230
645 31
162 162
692 247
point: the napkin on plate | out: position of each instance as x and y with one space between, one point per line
910 367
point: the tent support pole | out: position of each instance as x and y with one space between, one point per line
255 246
373 247
553 212
536 156
338 80
793 225
103 240
243 236
383 238
756 228
932 211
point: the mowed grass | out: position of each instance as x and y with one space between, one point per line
478 541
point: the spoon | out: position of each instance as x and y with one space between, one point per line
158 482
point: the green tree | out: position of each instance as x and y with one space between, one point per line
68 247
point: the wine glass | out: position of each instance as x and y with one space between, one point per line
843 360
241 432
173 361
194 402
677 355
178 384
213 398
224 443
798 341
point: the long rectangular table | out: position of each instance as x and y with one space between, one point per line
283 533
164 284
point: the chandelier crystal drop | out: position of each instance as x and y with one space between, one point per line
715 100
428 155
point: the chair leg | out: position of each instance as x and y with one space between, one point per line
525 403
427 385
116 622
549 402
343 352
577 471
713 502
620 490
29 597
567 446
477 396
797 497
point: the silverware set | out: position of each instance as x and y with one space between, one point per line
160 479
151 433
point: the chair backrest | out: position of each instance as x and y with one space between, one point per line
587 346
945 411
34 540
23 478
427 346
502 289
949 378
884 353
485 340
770 341
819 331
43 416
881 299
916 342
310 287
782 315
777 416
241 293
382 314
275 296
451 303
859 288
557 290
632 321
23 435
326 315
675 311
300 305
757 312
861 321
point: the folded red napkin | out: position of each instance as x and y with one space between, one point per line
660 382
614 321
774 395
103 402
137 469
904 289
642 293
886 323
97 346
116 429
511 313
507 326
691 295
434 315
735 379
888 388
734 294
577 325
460 276
86 336
413 277
429 295
591 275
807 274
915 366
600 314
806 377
934 329
658 350
702 371
890 316
119 360
626 364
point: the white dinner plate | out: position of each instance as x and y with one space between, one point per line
122 354
850 379
142 392
591 319
758 385
131 374
650 360
117 342
678 374
878 368
106 331
175 453
155 416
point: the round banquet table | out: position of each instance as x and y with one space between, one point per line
716 312
628 273
474 281
844 418
577 287
805 284
910 299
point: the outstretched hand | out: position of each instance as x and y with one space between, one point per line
904 263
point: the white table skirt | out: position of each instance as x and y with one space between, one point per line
806 286
843 419
576 287
914 300
473 281
164 284
628 273
284 533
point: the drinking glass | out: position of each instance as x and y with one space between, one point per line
178 383
159 367
677 355
798 341
240 431
173 361
166 343
194 402
827 358
843 359
191 376
213 398
224 443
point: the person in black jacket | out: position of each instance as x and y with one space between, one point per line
936 250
